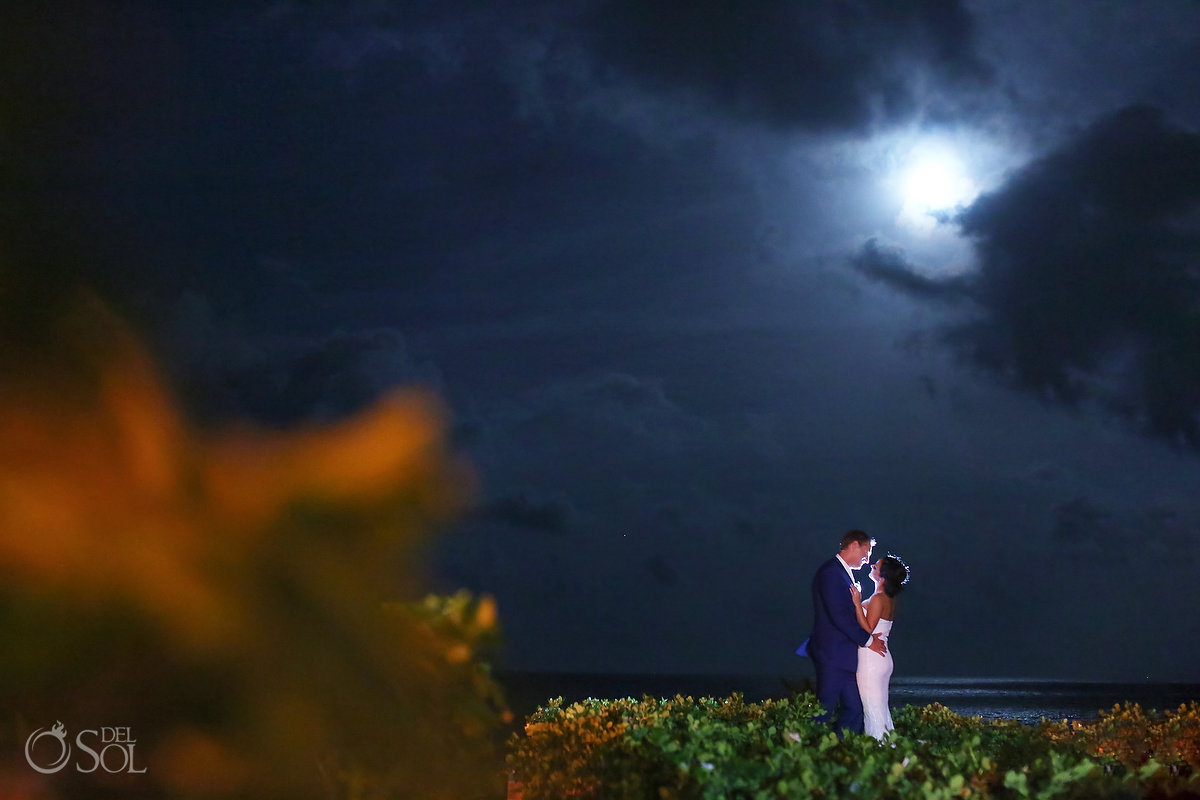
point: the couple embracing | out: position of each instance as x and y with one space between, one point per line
848 645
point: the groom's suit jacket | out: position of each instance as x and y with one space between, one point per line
836 634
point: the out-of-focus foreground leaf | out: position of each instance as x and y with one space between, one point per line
238 602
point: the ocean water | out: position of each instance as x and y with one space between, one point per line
1029 701
1024 700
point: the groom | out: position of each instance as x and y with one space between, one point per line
836 634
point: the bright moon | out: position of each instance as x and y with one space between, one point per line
933 182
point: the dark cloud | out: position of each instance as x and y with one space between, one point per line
525 509
222 141
1087 278
1079 523
594 412
812 66
1084 528
224 372
1090 252
889 265
661 570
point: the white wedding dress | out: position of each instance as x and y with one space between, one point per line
874 674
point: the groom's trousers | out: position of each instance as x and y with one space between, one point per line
837 691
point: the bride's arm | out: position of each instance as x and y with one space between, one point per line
864 620
873 611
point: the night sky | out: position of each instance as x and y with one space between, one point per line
703 285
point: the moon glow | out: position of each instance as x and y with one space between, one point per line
933 184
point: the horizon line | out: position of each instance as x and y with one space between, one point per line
899 680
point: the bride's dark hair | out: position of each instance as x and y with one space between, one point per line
894 573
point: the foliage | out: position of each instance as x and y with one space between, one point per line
725 748
225 596
1127 740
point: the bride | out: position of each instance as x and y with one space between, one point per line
875 614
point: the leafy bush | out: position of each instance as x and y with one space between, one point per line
1163 750
726 748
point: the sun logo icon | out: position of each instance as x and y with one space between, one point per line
58 732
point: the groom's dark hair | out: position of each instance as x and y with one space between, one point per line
855 537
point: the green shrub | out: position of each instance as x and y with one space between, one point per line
726 748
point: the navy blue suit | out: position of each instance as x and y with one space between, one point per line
834 644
